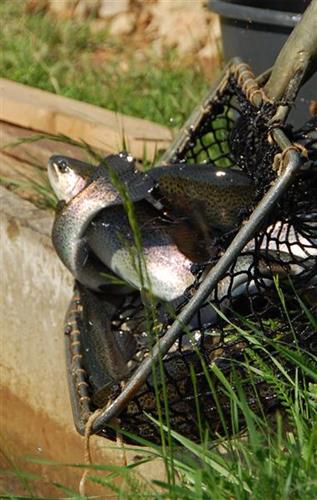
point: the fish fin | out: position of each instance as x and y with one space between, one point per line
121 163
101 353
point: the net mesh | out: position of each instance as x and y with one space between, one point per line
231 132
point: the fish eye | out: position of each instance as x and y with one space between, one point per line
63 166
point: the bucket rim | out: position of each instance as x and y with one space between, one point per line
254 14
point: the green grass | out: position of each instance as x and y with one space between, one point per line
266 456
271 457
66 57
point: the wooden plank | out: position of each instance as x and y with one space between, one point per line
37 152
42 111
29 182
16 169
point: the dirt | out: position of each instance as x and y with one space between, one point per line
153 26
43 439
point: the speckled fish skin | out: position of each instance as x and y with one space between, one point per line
71 236
73 218
166 271
162 257
102 356
69 233
215 195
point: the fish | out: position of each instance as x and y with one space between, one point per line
82 191
99 234
209 196
216 198
104 353
89 250
163 268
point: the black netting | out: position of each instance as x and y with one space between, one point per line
231 132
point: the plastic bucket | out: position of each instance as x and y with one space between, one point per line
256 31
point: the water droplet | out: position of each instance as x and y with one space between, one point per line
68 330
197 336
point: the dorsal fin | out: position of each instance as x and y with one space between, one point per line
122 163
137 183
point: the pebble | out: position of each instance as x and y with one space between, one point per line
110 8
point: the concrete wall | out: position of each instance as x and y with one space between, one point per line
35 290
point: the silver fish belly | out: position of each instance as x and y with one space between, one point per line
161 268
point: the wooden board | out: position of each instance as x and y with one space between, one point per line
42 111
37 152
28 181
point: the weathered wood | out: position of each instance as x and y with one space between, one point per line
42 111
37 152
29 182
14 168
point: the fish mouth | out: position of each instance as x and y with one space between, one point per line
53 166
52 170
66 176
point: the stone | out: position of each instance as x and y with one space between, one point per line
98 25
209 52
185 29
84 8
62 7
110 8
34 6
179 5
123 24
209 57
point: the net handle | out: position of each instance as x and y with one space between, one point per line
297 60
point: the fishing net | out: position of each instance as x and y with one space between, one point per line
229 130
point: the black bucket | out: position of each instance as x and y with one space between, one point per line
256 30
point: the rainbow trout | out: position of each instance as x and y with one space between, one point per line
88 192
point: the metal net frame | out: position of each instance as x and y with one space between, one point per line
232 127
